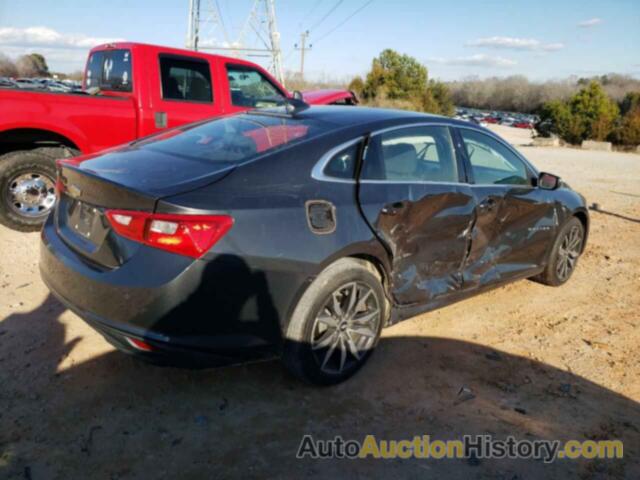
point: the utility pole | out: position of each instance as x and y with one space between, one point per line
303 41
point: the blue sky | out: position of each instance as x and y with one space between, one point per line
540 39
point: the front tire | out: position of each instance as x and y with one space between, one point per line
27 186
564 255
336 324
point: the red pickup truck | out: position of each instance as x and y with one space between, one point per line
130 90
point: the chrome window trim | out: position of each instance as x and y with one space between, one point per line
318 170
413 182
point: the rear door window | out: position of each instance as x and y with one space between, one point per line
412 154
185 79
250 88
110 70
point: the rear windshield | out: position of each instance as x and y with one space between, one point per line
109 70
236 139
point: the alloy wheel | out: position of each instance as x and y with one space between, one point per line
569 252
346 328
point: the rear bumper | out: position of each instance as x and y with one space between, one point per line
156 297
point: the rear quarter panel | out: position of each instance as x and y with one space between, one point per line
274 253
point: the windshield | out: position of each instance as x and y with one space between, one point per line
236 139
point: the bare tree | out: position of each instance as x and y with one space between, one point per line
7 67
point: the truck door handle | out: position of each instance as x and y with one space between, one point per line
160 119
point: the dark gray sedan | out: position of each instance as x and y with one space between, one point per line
300 232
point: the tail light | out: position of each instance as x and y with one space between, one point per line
190 235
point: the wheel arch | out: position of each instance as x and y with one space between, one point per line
583 216
369 260
29 138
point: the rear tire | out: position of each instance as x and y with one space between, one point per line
336 324
27 186
563 258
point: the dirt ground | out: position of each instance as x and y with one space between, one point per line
540 362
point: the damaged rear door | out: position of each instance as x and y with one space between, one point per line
412 194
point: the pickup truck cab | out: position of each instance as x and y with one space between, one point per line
131 90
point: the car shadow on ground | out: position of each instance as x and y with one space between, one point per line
113 416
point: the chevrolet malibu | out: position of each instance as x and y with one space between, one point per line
299 232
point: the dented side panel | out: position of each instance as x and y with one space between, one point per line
425 228
528 224
512 232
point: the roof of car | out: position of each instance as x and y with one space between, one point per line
360 116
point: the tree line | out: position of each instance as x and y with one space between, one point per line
518 94
576 109
31 65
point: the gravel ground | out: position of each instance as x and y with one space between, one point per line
539 362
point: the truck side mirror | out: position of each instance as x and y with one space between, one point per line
548 181
297 94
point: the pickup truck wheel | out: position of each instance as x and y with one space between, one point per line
27 186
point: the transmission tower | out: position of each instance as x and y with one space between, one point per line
258 37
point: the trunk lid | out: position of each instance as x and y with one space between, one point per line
144 172
126 180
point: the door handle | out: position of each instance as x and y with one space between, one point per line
487 204
393 208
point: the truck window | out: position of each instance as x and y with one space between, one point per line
185 79
249 88
110 70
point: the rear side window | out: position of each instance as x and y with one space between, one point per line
412 154
343 163
110 70
235 139
249 88
185 79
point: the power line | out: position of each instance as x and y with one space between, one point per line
224 27
310 12
326 15
344 21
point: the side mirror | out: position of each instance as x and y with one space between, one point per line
548 181
297 94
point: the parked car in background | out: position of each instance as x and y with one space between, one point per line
28 83
7 82
523 124
132 90
299 232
